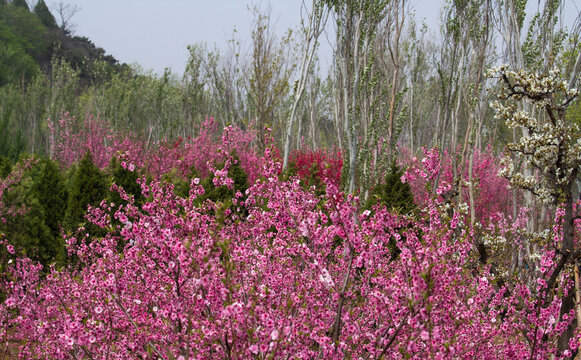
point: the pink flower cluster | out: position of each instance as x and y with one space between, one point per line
299 276
328 164
436 173
70 140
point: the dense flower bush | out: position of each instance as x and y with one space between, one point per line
71 139
294 275
320 165
492 194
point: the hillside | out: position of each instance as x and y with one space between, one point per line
31 38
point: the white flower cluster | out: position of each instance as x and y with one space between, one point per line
537 88
493 240
326 279
550 144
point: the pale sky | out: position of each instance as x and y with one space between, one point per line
155 34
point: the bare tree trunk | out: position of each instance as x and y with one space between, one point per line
317 20
455 119
299 132
394 53
411 123
312 112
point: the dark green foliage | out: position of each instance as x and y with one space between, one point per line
84 56
393 193
181 185
397 197
312 180
88 187
43 13
127 180
37 233
49 188
29 41
29 233
5 167
222 195
20 4
23 41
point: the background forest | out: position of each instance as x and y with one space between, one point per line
403 81
378 167
390 82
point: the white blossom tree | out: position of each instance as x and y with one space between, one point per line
551 145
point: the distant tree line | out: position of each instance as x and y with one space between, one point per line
390 87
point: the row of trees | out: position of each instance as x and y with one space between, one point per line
54 202
34 83
389 82
50 198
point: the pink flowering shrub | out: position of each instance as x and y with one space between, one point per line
327 164
70 141
299 276
491 192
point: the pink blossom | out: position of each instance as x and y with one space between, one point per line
191 278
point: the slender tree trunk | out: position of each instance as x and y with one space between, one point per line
577 302
317 21
312 118
299 132
412 150
394 52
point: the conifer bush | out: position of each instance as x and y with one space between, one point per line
36 229
392 193
88 186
